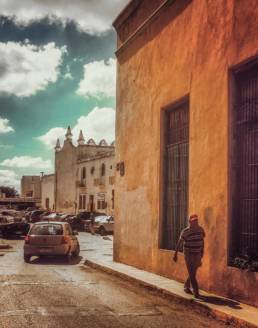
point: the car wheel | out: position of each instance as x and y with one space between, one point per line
26 258
102 231
77 251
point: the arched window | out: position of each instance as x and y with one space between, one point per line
83 173
103 170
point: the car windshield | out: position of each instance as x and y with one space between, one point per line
47 229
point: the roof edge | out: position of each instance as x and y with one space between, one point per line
126 12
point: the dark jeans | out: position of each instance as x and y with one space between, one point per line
192 261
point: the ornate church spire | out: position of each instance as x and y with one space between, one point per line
81 139
69 134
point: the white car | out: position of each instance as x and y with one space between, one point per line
104 224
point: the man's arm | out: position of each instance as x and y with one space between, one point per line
178 246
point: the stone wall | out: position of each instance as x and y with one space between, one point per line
48 192
187 49
31 186
100 187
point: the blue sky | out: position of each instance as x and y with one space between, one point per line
57 68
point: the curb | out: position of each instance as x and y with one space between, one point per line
196 305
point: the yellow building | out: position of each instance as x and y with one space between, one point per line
187 137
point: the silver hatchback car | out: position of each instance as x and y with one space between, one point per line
49 239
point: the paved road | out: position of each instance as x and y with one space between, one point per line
50 293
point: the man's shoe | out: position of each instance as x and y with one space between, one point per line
187 290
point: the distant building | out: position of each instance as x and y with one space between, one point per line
84 175
2 194
48 191
31 186
187 138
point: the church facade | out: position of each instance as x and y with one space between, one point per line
84 176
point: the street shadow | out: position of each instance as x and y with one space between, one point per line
49 260
221 301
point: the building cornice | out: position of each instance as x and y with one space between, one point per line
94 158
125 14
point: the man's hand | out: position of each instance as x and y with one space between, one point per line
175 257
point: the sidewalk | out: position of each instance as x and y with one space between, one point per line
98 253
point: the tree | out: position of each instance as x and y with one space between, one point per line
9 191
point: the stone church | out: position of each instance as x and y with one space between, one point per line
84 175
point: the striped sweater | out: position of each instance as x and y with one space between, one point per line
193 239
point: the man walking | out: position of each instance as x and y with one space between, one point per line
192 239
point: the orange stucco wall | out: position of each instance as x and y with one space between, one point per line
177 55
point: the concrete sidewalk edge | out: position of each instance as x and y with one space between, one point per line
196 305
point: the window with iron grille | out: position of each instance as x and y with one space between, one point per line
244 220
175 174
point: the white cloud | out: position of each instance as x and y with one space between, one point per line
99 79
93 17
98 124
27 162
9 178
26 68
49 139
4 125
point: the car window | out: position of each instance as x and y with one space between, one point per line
47 229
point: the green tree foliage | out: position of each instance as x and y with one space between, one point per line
9 191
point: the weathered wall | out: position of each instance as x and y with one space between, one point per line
92 182
187 50
48 191
31 184
65 184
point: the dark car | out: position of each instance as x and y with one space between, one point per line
82 220
35 216
12 226
69 218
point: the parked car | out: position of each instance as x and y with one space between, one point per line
82 219
50 216
104 225
10 226
35 216
70 218
51 239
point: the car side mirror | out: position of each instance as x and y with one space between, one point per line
75 232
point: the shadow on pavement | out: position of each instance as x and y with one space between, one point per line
220 301
45 260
